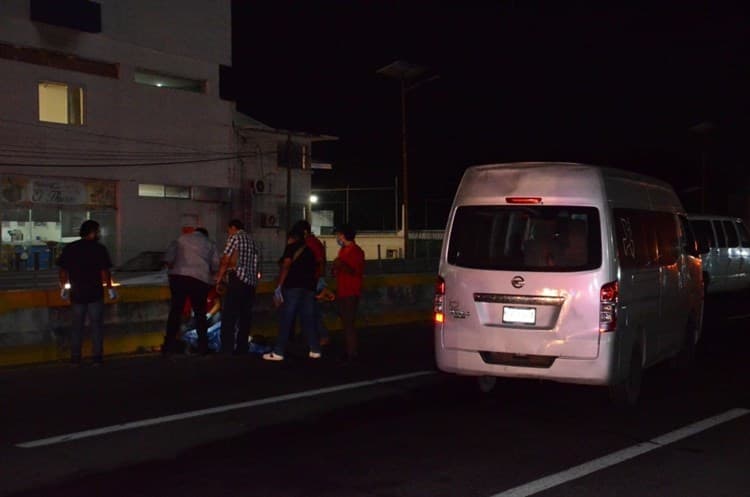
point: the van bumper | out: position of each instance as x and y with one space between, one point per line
597 371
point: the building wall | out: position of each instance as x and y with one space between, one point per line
125 122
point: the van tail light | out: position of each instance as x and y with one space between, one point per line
438 304
608 297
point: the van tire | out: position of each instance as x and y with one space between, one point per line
625 393
486 383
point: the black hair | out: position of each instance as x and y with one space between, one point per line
303 226
295 233
88 227
236 223
203 231
347 230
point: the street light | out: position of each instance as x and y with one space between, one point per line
313 199
408 74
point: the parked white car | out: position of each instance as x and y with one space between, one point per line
725 250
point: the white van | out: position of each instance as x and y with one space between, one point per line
566 272
724 244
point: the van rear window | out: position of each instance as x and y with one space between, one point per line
526 238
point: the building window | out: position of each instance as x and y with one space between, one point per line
60 103
152 78
163 191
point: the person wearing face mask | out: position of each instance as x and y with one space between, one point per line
348 269
84 271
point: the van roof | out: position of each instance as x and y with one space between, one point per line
573 183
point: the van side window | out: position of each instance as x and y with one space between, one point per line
689 244
703 232
646 239
732 238
636 238
744 236
667 237
722 240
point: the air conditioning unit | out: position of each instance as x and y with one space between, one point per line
268 220
257 186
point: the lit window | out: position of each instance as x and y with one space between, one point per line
145 190
177 191
60 103
151 78
163 191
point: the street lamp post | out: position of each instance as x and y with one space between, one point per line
408 75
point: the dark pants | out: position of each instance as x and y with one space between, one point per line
237 308
183 287
348 312
297 301
95 312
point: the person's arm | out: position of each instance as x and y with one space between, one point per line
106 278
286 263
63 276
226 257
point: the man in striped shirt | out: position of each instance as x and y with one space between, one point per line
239 262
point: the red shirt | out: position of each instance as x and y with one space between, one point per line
318 250
349 284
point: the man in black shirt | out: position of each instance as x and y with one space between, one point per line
297 290
84 269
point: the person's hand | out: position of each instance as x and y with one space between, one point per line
278 296
112 293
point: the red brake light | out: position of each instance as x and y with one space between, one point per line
608 298
439 286
438 302
523 200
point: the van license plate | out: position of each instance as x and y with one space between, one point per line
522 315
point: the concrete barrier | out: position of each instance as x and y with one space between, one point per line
35 324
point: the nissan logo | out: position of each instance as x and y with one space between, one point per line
517 281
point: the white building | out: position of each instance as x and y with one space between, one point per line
111 110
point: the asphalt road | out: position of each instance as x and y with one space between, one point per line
323 429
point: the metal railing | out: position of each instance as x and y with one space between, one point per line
20 280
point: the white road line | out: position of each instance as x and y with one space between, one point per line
215 410
587 468
741 316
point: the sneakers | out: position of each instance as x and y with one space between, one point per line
314 355
273 356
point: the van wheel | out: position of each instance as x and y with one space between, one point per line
684 358
486 383
625 393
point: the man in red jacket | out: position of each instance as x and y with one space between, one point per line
348 269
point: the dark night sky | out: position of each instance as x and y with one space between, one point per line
519 80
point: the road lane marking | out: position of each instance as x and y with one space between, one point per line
604 462
216 410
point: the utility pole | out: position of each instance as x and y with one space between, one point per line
410 77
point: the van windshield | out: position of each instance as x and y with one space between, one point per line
526 238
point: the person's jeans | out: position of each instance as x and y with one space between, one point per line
297 301
95 312
237 308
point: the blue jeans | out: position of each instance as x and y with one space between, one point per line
95 311
297 301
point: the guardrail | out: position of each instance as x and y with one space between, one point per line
21 280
